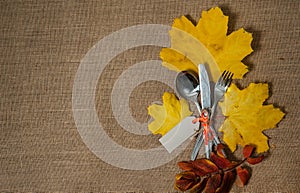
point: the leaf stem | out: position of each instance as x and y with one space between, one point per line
222 171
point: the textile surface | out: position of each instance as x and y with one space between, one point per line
42 46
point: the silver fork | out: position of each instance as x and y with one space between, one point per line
220 88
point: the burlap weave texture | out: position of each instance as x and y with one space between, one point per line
42 45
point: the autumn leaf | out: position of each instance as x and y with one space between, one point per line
227 181
247 117
221 162
185 180
203 167
207 42
168 115
220 150
243 176
216 174
199 187
255 160
185 165
248 151
213 183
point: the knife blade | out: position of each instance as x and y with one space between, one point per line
204 87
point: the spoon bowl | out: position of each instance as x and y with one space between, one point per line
186 86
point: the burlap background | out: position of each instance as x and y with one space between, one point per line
42 44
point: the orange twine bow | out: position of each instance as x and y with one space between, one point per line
204 120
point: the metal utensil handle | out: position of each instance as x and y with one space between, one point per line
199 142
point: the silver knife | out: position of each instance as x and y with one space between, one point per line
205 103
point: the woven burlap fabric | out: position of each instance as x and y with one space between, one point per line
42 45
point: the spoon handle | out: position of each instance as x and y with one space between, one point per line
198 106
199 142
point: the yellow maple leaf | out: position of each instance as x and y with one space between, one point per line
168 115
247 117
207 43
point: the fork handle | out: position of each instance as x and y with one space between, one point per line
213 108
216 138
197 146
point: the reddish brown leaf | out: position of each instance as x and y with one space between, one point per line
220 150
183 185
186 180
227 182
185 175
255 160
221 162
199 187
213 183
248 150
243 176
185 165
204 166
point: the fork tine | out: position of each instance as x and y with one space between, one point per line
223 73
221 77
228 75
231 76
229 79
224 77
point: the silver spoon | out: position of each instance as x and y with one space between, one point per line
186 86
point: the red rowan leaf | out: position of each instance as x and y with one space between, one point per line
199 187
220 150
255 160
183 185
243 176
185 165
248 150
227 182
204 166
185 180
221 162
213 183
185 175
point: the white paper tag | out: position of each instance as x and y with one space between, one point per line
179 134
